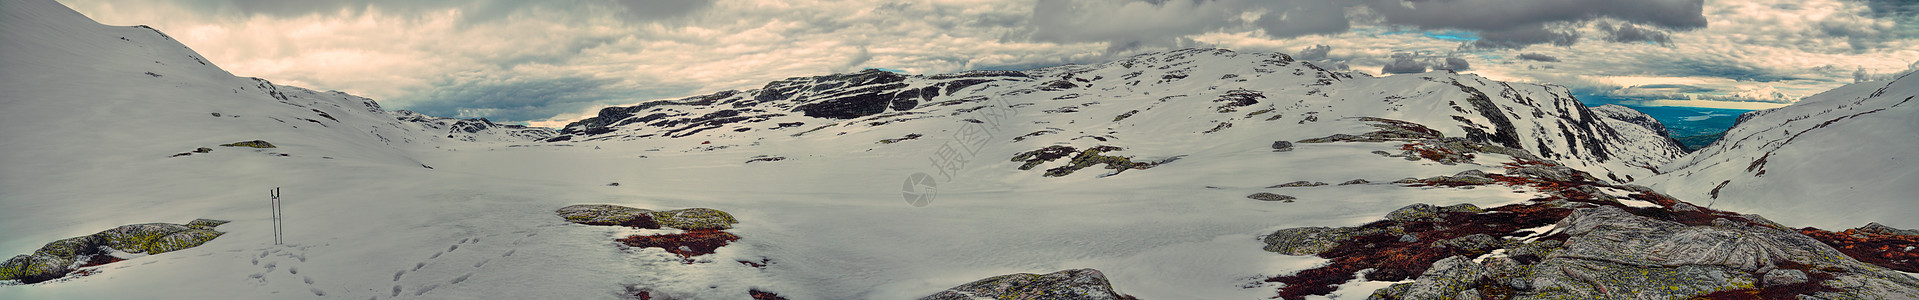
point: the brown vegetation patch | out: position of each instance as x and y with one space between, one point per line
686 245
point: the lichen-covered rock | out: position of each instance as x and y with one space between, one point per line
1610 253
1778 277
1301 183
1447 279
694 219
1475 243
1263 196
1079 284
1309 240
1429 212
206 223
57 258
34 268
154 238
253 143
606 214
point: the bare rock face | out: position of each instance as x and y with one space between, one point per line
1079 284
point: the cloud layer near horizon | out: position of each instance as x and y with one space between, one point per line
552 61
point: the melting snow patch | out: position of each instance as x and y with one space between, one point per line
1497 253
1539 232
1636 203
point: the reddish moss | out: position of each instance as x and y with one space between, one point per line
1394 260
1433 153
759 295
687 245
1885 250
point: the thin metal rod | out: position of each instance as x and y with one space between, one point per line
276 215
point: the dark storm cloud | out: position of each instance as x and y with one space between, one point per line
1499 15
1453 63
1133 24
1629 33
1538 57
473 11
1676 88
1315 52
524 99
1521 37
1404 63
1725 68
662 9
1888 8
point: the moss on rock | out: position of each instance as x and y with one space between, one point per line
56 259
607 214
695 219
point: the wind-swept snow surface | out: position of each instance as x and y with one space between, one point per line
1835 160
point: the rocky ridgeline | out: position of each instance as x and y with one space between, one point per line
866 96
72 256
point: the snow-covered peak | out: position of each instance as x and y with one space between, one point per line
1837 159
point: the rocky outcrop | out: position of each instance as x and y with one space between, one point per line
703 227
615 215
1263 196
252 144
61 257
1613 254
1594 247
1079 284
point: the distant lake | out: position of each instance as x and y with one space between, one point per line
1691 121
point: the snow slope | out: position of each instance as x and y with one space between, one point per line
386 205
1838 159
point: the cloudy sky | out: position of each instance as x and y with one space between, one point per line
546 62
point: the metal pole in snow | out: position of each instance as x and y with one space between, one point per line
276 215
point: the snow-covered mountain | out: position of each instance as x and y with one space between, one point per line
1172 175
1214 95
1837 159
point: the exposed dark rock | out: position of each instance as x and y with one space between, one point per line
1079 284
1355 181
1237 98
1301 183
1263 196
1281 146
252 143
